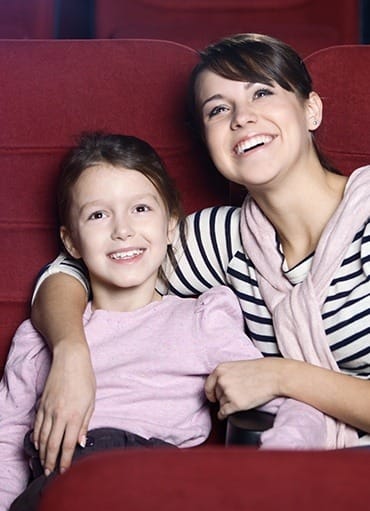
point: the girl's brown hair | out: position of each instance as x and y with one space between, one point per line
119 151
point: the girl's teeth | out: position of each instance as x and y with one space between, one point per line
126 255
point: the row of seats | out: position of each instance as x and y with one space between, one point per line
52 90
305 24
308 25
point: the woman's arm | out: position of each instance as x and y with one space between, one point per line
68 399
248 384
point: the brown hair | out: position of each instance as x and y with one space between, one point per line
119 151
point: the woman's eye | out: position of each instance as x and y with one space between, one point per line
97 215
216 110
261 93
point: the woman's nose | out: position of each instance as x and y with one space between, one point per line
242 115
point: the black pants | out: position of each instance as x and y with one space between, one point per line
100 439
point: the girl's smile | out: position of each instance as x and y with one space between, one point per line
121 230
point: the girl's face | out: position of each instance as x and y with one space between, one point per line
255 132
120 228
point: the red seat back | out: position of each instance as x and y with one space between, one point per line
341 76
305 24
34 19
52 90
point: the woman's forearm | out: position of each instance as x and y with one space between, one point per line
339 395
68 399
243 385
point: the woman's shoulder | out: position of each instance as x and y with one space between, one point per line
215 216
214 227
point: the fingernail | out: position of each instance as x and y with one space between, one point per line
62 470
82 442
47 472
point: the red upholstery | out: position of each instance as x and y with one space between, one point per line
341 77
306 24
53 90
214 479
21 19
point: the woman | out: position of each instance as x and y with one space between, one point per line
303 299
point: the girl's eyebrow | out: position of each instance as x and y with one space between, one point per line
101 201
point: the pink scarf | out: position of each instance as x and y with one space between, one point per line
296 310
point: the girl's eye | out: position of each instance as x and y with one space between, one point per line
216 110
261 93
141 208
97 215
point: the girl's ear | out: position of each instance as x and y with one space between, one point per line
171 230
313 111
68 243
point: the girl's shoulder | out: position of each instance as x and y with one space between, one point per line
27 344
219 303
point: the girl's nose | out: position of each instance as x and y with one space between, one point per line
122 230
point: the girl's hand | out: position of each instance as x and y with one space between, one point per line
244 384
66 406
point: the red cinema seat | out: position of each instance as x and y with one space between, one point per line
341 75
307 25
27 19
51 91
214 479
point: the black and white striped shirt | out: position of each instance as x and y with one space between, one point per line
214 255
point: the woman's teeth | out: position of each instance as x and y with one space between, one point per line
252 143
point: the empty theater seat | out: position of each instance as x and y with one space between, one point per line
305 24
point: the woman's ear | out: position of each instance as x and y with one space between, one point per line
68 243
171 230
313 111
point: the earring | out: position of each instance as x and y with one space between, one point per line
315 123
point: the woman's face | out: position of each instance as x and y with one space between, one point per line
255 132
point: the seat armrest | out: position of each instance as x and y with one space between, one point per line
246 427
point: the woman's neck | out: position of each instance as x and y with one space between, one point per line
299 210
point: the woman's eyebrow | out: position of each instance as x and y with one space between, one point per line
247 86
212 98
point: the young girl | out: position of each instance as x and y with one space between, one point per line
151 353
303 286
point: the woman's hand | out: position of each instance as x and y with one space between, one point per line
244 384
68 399
66 405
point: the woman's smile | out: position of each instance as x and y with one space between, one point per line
253 142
